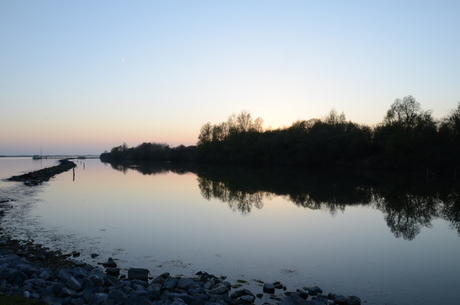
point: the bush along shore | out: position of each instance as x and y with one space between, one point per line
41 274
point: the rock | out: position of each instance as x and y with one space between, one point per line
79 272
64 275
165 275
110 263
183 296
219 289
278 285
314 290
247 298
73 284
78 263
318 301
171 283
338 298
98 298
209 284
138 301
66 292
113 271
353 300
269 288
96 279
44 275
303 294
117 295
293 299
138 273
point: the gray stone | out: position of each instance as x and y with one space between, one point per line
340 299
165 275
220 297
79 272
138 273
110 263
87 296
17 277
97 279
27 269
353 300
196 291
219 289
47 299
66 292
113 271
3 284
64 275
171 283
184 283
293 299
302 293
79 301
87 283
319 301
314 290
98 298
209 284
183 296
269 288
73 284
278 285
138 301
247 298
40 282
78 263
117 295
44 275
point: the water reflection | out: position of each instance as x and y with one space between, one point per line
407 201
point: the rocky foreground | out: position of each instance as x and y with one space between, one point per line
43 175
41 274
49 276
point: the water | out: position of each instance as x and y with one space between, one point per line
388 240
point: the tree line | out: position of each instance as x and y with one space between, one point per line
408 137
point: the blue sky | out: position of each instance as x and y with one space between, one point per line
84 76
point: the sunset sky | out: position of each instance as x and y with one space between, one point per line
79 77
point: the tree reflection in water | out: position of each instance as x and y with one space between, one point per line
407 201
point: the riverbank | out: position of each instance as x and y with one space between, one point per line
56 278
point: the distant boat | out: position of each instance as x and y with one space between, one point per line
38 157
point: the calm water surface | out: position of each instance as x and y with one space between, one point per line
388 243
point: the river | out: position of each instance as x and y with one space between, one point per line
388 238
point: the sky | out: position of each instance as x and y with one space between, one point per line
80 77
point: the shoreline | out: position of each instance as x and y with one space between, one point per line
39 176
31 270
